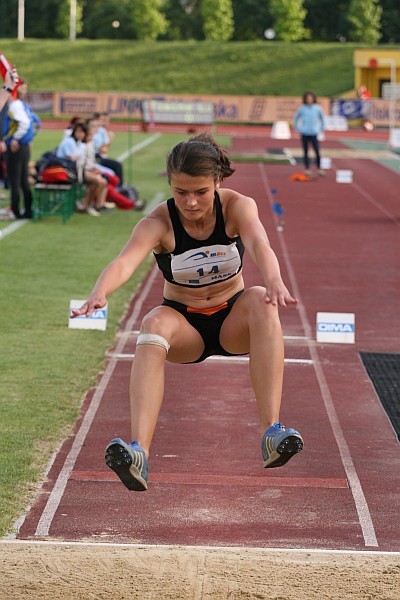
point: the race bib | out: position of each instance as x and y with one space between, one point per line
206 265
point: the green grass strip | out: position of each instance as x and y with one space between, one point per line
185 67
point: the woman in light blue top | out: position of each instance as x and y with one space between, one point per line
309 121
73 148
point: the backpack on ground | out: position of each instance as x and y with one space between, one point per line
130 192
57 174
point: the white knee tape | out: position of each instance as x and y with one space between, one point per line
152 339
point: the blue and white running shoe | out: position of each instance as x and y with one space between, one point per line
129 462
279 445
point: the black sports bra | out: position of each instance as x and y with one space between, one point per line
197 263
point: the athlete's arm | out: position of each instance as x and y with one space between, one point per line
146 236
243 210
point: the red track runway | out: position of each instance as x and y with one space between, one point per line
339 252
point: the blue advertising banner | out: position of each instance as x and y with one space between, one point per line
351 109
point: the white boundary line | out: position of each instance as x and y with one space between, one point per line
257 549
54 499
217 358
290 338
13 227
154 202
139 146
377 205
289 156
360 501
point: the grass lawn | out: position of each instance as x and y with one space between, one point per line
46 367
239 68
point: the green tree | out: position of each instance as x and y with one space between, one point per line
364 17
217 15
252 18
183 17
327 20
148 20
63 23
99 16
40 17
390 21
290 16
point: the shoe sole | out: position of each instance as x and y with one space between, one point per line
285 451
120 461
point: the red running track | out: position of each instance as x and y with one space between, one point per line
339 252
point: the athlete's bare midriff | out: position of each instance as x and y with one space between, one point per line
207 296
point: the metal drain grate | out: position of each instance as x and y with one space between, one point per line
384 372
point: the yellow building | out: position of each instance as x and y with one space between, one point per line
374 67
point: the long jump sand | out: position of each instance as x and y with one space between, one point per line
100 571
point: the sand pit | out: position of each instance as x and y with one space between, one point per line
99 571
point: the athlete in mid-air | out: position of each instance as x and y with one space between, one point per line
198 238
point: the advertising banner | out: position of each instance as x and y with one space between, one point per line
232 109
240 109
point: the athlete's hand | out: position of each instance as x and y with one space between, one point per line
277 294
94 301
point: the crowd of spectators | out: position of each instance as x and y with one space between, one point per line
84 147
86 144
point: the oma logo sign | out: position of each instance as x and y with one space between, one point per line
335 327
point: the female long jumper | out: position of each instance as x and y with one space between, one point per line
198 238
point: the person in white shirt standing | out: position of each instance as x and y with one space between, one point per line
102 139
21 126
10 82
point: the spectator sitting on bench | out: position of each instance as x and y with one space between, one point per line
114 196
102 138
73 148
73 121
92 165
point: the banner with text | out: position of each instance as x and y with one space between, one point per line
240 109
233 109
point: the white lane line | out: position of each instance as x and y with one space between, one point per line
54 499
139 146
360 501
289 338
154 202
377 204
227 359
169 547
13 227
289 156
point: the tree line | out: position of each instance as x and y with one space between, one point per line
365 21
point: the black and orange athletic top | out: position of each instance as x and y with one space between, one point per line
197 263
